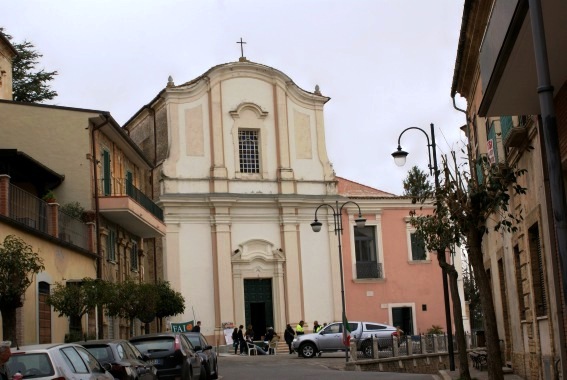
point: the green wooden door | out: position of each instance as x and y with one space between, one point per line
106 173
258 305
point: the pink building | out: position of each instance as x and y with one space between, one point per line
389 276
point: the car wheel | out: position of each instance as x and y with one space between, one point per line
216 374
307 350
204 373
367 349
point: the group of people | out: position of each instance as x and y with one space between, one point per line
242 340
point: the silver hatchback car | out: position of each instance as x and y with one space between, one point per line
56 361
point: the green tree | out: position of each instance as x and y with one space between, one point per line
169 303
464 203
131 300
28 83
75 299
18 264
417 186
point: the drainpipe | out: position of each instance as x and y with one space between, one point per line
99 310
153 112
553 156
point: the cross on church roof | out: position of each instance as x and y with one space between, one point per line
242 57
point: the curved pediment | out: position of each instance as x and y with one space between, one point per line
257 249
248 106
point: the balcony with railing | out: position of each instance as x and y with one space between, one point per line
514 130
368 270
31 212
124 204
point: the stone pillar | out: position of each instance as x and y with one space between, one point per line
395 346
423 344
53 219
4 194
91 236
435 343
375 349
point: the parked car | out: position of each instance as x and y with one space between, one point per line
171 354
124 359
208 355
331 338
57 361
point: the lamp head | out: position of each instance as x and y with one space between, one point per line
400 156
360 222
316 226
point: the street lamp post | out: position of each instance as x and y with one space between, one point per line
400 159
316 226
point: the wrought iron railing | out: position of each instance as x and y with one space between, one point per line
368 269
28 209
73 230
112 187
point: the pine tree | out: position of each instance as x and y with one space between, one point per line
29 84
417 186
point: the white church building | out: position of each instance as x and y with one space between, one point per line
240 167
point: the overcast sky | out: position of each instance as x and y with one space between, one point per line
386 64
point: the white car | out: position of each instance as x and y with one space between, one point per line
330 338
56 361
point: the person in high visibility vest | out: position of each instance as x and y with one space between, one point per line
299 328
317 327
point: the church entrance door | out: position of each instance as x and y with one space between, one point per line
258 305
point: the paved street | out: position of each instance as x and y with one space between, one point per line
285 366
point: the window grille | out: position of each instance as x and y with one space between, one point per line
134 257
248 151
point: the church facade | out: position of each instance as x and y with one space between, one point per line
240 168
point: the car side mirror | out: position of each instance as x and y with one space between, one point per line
197 348
207 348
144 357
106 366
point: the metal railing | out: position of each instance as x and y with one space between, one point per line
28 209
368 269
73 230
32 212
112 187
389 347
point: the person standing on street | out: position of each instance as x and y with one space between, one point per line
241 341
299 328
197 327
289 334
235 342
317 327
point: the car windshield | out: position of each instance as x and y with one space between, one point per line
155 345
31 365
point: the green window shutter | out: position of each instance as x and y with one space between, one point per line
106 172
505 126
111 246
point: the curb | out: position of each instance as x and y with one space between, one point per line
444 375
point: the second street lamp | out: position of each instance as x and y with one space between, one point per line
338 224
400 159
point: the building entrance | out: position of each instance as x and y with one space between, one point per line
258 305
402 316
